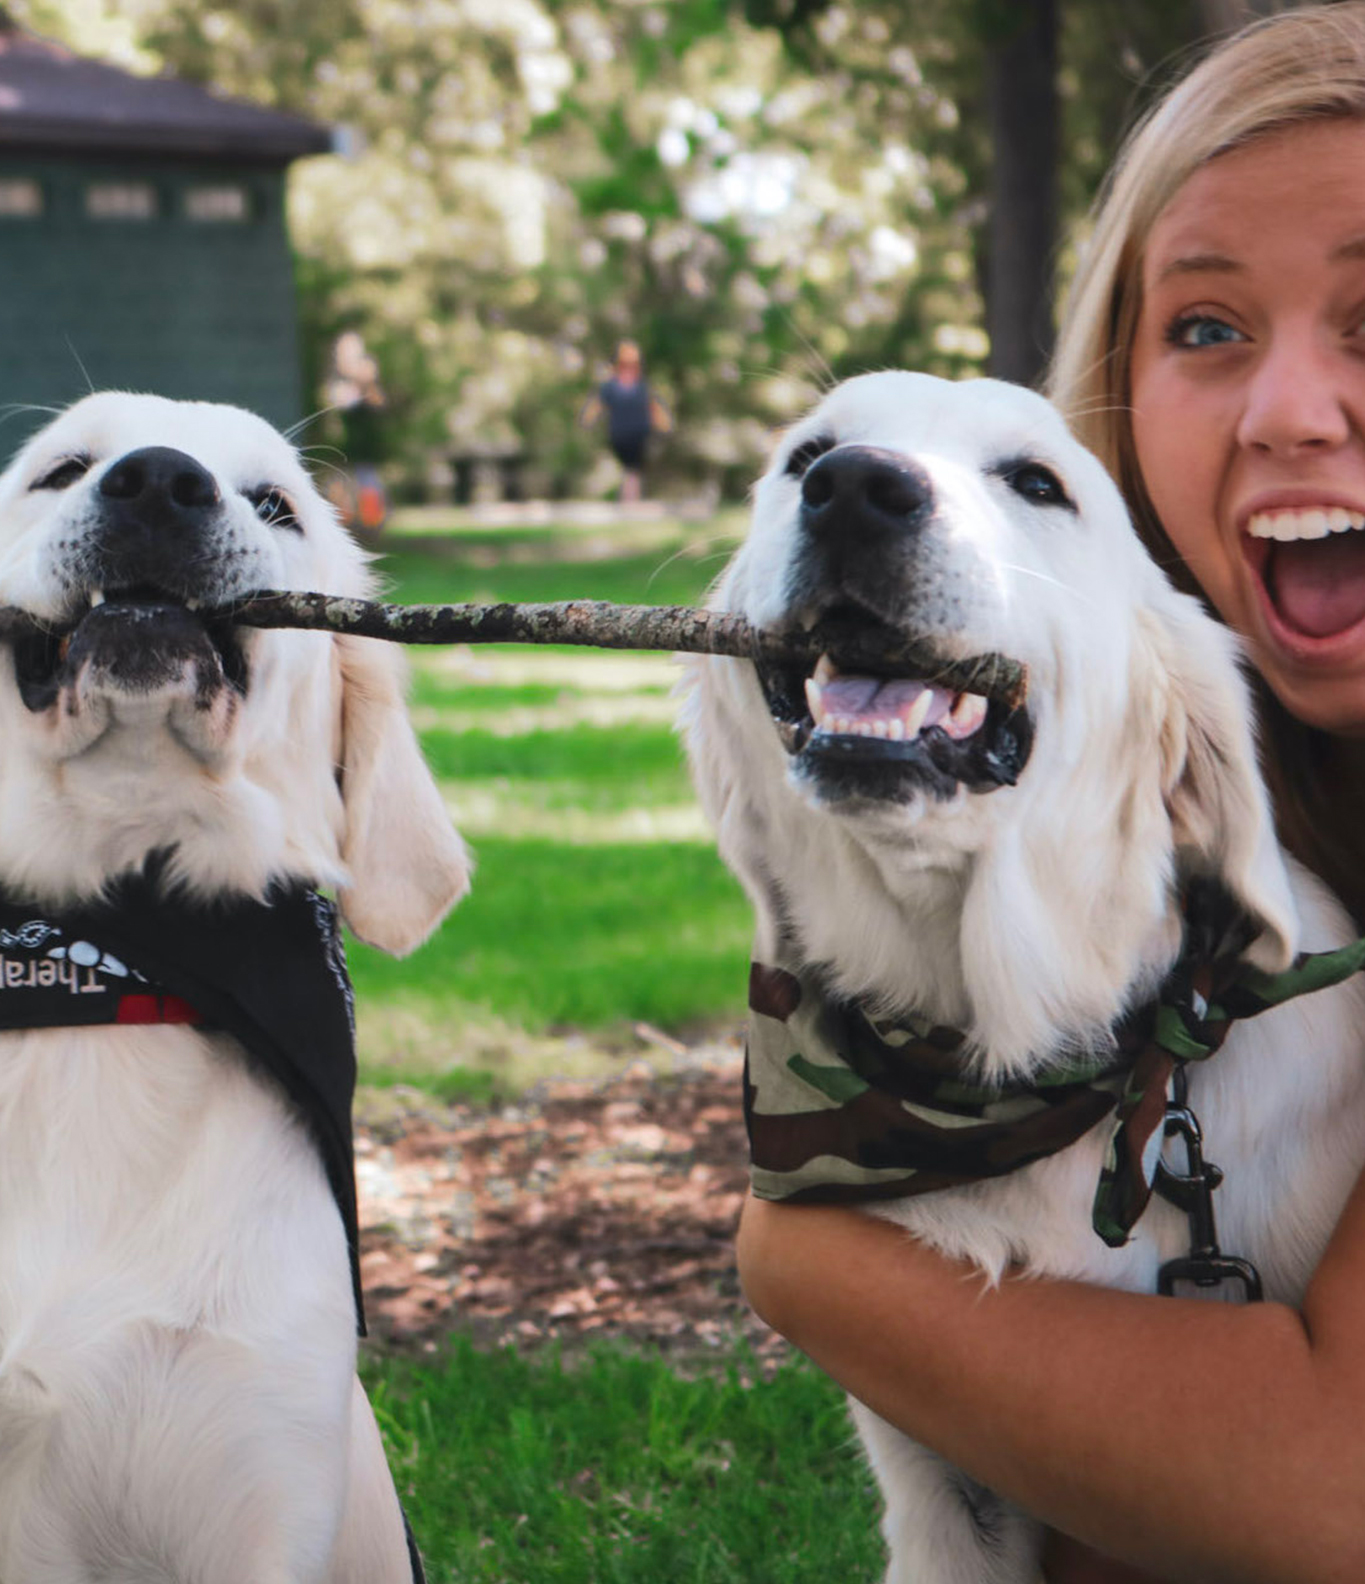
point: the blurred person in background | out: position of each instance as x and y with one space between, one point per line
633 415
354 391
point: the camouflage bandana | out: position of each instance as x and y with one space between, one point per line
843 1108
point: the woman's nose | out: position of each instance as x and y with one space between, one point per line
1296 400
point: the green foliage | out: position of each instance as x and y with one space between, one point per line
617 1470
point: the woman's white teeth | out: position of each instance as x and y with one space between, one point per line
1314 523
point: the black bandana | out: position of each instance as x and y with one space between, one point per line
272 974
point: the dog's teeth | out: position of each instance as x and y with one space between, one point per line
879 728
192 604
896 729
966 715
96 597
914 716
824 670
813 691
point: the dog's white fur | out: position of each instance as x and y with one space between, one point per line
1031 915
178 1398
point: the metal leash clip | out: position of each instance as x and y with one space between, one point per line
1205 1265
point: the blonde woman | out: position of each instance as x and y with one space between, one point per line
1214 355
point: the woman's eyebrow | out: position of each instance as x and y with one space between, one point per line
1202 264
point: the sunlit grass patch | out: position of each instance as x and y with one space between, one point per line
590 767
432 691
592 936
618 1470
598 900
675 572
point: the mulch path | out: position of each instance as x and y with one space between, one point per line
584 1210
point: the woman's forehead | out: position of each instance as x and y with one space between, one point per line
1298 183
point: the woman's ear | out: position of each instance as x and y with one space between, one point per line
408 866
1219 809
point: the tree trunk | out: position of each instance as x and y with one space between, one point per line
1021 238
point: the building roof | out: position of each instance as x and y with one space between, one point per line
54 101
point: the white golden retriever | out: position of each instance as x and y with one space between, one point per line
925 859
178 1397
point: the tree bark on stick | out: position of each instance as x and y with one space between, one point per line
602 625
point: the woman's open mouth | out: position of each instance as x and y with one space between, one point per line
1310 563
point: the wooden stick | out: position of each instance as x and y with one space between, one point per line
606 626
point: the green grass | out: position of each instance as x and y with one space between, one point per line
440 693
617 1470
419 571
584 766
589 936
599 899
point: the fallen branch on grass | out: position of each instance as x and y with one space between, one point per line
601 625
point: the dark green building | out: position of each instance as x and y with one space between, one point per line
142 239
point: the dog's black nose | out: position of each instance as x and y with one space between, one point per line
864 486
160 487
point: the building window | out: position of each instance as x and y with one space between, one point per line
20 199
120 201
217 204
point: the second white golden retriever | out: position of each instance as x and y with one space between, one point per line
967 913
178 1397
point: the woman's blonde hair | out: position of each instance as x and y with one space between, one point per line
1301 65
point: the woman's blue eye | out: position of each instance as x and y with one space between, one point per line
1202 330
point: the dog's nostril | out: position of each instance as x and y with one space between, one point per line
817 487
126 480
895 490
194 488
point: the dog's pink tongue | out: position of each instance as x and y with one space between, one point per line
870 698
1318 585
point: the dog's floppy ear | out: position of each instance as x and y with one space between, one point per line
1219 809
407 865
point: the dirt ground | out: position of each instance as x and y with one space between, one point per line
585 1210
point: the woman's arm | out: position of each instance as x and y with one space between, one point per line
1201 1441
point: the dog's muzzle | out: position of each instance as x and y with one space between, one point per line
863 735
144 574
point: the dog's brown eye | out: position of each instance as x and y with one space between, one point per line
64 474
806 453
273 506
1037 484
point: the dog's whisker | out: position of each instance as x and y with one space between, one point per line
303 423
1043 577
85 372
688 551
